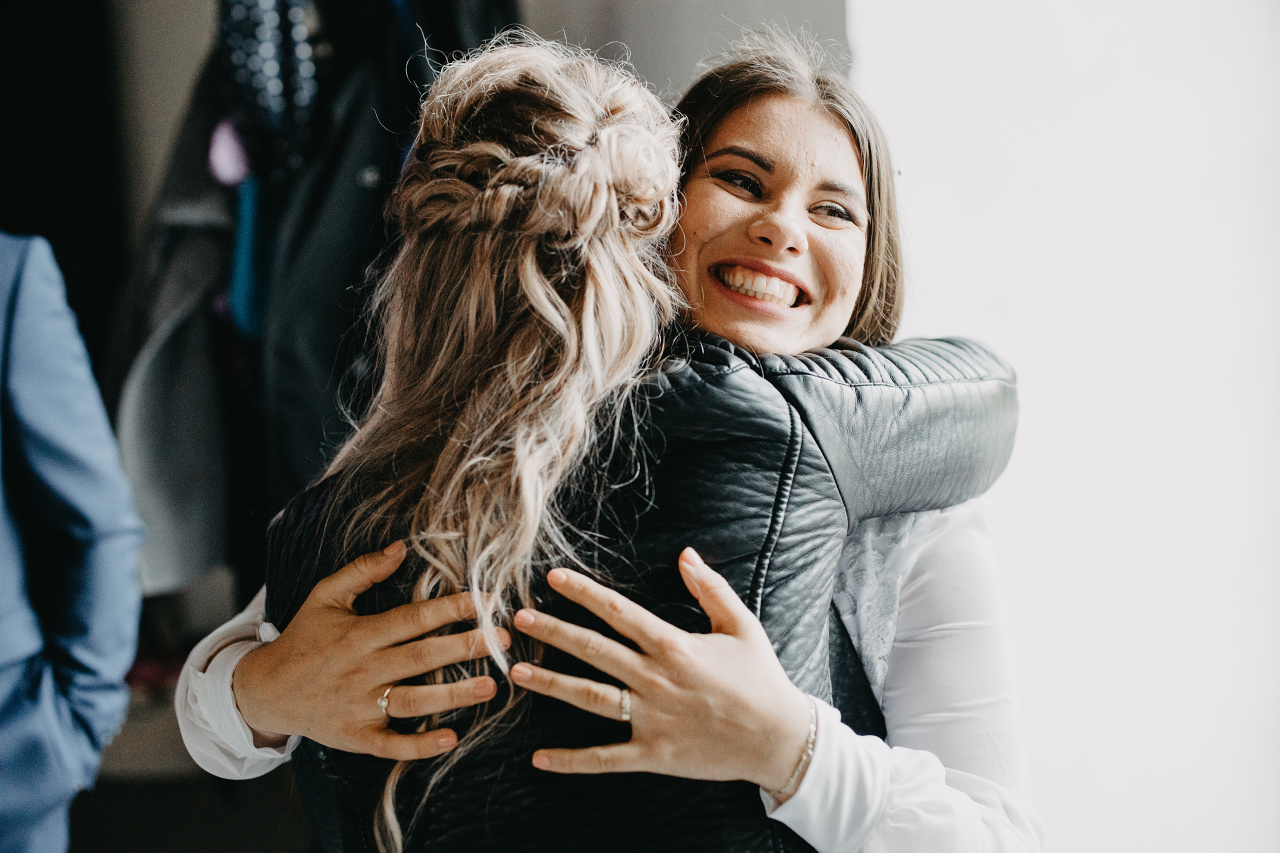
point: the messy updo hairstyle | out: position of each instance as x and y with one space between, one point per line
772 62
526 301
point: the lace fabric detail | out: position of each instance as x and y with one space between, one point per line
868 589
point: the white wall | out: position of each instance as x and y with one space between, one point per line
665 39
1094 189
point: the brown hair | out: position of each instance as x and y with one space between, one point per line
525 303
772 62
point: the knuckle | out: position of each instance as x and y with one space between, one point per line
542 678
651 683
358 633
594 644
674 646
597 694
474 640
359 566
458 607
664 750
463 693
415 702
424 654
416 617
420 617
404 702
615 606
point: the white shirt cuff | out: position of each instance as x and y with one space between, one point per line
843 792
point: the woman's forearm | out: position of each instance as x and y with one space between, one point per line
212 727
861 795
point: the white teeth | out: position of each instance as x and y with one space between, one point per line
758 285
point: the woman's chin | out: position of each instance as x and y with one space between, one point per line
755 335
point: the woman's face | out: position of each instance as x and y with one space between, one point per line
770 246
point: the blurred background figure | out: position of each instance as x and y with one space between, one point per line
68 550
241 325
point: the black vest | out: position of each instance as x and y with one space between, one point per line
765 465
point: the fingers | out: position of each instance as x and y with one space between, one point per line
360 574
586 645
717 599
384 743
614 758
603 700
422 699
412 620
432 653
621 613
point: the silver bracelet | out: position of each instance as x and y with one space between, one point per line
805 757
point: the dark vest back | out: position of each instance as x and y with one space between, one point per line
731 464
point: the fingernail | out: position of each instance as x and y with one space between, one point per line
557 576
524 619
540 761
446 740
505 638
394 548
484 688
521 673
691 556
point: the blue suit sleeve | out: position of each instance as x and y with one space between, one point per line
81 533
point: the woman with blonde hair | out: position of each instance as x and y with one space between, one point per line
539 410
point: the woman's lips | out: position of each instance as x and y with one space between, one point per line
758 285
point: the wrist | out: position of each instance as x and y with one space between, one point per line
781 795
244 681
792 747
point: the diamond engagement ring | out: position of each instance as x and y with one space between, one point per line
383 701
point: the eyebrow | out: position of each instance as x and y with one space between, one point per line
745 153
766 165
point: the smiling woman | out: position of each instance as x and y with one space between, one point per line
786 166
769 251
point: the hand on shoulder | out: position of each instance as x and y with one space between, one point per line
327 674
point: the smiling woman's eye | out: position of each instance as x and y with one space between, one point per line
741 180
837 211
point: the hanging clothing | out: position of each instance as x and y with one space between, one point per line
227 400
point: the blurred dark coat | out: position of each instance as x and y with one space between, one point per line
196 484
68 547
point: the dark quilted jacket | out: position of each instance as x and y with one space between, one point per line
765 465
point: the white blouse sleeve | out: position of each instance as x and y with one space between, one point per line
214 732
952 776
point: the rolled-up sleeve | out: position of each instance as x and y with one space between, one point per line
214 732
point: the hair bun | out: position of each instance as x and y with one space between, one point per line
565 167
643 175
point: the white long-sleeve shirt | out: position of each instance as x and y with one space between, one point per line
926 614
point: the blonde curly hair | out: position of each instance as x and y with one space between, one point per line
527 299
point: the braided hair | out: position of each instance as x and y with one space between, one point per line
527 299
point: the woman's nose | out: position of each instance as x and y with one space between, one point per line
780 230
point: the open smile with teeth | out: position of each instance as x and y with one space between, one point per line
758 285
